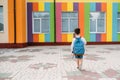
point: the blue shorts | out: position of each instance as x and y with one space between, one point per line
79 56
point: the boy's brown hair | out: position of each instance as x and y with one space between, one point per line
77 31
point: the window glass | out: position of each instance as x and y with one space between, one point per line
64 14
40 15
118 21
97 22
118 14
45 27
101 15
36 25
64 25
100 25
41 22
118 25
92 25
73 14
1 19
73 24
69 21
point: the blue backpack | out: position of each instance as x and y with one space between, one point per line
78 47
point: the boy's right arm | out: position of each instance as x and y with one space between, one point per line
72 44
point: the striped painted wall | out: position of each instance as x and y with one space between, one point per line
84 10
66 37
116 9
40 7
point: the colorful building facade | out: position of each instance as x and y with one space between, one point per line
52 21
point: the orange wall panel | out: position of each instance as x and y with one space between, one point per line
11 21
64 37
64 6
35 37
35 6
103 37
20 21
24 21
81 18
103 9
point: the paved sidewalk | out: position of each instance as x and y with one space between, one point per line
56 63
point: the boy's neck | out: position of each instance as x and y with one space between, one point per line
77 36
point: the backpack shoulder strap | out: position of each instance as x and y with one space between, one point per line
78 38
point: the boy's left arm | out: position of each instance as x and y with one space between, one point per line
85 42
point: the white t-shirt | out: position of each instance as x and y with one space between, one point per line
82 38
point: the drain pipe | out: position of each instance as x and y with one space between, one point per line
14 21
55 20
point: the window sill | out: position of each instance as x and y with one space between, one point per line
1 31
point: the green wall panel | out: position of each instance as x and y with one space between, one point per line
118 11
87 22
52 23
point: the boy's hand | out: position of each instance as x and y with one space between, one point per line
85 54
72 55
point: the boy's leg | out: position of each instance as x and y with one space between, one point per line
81 59
77 63
80 62
77 60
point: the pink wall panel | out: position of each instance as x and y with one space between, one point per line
58 22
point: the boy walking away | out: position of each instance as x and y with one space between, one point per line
78 47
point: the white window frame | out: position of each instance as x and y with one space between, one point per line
97 23
40 24
117 23
68 18
3 20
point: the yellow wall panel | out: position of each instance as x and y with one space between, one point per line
41 38
69 37
70 6
109 22
41 6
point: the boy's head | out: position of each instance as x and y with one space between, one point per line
77 31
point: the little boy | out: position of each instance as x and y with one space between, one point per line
77 47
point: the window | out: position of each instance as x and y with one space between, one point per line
1 19
41 22
97 22
118 21
69 21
